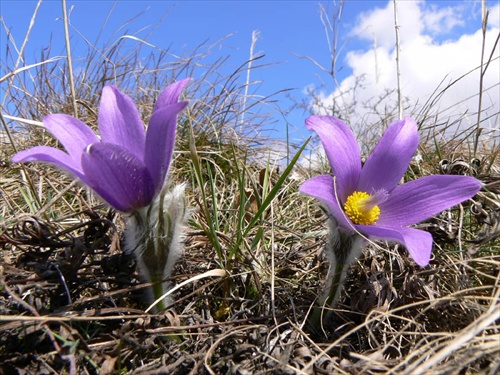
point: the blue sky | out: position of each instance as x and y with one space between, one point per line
287 28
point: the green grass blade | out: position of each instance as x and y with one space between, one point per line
274 191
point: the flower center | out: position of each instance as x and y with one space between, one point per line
362 207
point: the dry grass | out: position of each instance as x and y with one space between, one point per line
70 300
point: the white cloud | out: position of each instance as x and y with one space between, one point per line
443 20
494 16
431 53
378 24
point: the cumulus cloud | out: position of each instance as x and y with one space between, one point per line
494 16
436 50
443 20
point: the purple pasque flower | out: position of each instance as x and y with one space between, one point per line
127 166
368 198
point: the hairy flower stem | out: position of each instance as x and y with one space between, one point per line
342 249
154 236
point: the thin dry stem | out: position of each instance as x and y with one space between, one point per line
70 58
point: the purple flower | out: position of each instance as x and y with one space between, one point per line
127 166
368 198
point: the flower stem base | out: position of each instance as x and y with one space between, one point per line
154 237
342 248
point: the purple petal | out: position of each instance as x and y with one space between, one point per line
322 188
417 242
341 149
391 157
171 94
50 155
118 176
160 141
420 199
120 122
73 134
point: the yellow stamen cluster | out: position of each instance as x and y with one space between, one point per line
359 210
